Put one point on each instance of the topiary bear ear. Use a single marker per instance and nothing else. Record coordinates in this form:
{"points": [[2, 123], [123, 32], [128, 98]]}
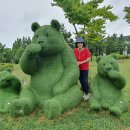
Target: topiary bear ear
{"points": [[98, 59], [55, 24], [35, 26]]}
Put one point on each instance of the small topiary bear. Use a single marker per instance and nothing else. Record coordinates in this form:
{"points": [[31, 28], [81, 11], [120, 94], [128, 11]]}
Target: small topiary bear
{"points": [[9, 89], [54, 74], [106, 87]]}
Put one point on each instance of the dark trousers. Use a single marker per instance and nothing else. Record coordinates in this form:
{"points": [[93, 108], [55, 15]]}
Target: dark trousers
{"points": [[84, 80]]}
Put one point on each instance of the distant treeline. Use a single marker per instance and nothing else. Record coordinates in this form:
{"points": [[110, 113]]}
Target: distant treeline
{"points": [[109, 45], [12, 55]]}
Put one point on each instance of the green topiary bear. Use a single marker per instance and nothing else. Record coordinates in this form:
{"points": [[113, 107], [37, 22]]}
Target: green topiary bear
{"points": [[9, 89], [54, 74], [106, 87]]}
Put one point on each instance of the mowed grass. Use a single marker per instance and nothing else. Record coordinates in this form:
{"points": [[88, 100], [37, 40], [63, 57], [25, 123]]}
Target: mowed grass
{"points": [[79, 118]]}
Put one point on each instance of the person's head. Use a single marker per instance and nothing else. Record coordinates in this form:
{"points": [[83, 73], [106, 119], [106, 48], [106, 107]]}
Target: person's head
{"points": [[80, 43]]}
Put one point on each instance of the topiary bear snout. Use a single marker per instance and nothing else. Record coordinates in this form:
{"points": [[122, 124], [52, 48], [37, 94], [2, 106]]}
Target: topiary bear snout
{"points": [[109, 68], [41, 40]]}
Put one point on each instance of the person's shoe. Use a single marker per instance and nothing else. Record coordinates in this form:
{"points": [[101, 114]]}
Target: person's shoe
{"points": [[86, 96]]}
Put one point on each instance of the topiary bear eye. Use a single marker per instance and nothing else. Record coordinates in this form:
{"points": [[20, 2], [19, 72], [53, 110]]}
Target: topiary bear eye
{"points": [[104, 64]]}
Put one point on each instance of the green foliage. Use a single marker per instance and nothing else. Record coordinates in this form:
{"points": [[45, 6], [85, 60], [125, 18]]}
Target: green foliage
{"points": [[97, 48], [128, 48], [114, 44], [6, 66], [118, 56], [5, 54], [66, 34], [127, 15], [121, 44], [18, 54], [2, 47], [18, 48], [90, 15], [111, 43]]}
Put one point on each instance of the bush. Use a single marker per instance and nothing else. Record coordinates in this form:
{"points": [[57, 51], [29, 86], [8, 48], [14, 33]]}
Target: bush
{"points": [[127, 57], [118, 56], [6, 66]]}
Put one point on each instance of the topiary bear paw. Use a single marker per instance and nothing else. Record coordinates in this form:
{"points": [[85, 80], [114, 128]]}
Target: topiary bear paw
{"points": [[95, 107], [115, 111], [52, 109], [19, 107]]}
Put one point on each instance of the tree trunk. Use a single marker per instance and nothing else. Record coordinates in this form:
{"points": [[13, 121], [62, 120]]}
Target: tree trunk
{"points": [[75, 29]]}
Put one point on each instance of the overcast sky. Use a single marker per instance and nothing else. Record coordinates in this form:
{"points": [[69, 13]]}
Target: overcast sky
{"points": [[16, 17]]}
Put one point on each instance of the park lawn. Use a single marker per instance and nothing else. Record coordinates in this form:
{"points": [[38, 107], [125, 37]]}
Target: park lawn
{"points": [[79, 118]]}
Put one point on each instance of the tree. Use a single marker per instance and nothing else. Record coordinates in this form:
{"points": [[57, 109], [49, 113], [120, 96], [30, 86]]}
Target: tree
{"points": [[18, 48], [115, 44], [111, 44], [89, 15], [2, 47], [5, 54], [127, 15], [128, 51], [67, 35], [121, 44], [127, 44]]}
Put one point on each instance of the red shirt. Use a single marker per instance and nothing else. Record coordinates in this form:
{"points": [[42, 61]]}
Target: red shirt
{"points": [[81, 56]]}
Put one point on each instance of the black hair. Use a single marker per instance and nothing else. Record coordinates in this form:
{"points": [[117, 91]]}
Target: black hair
{"points": [[77, 43]]}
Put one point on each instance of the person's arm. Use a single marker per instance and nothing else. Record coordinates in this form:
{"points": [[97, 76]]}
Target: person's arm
{"points": [[84, 61], [88, 58]]}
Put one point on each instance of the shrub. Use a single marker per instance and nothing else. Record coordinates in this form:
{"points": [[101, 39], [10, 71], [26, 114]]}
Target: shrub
{"points": [[118, 56], [6, 66], [127, 57]]}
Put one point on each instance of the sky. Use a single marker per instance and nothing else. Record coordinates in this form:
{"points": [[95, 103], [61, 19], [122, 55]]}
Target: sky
{"points": [[16, 17]]}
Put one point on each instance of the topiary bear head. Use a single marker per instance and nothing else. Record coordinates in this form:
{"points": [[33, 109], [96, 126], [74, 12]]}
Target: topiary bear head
{"points": [[105, 64], [49, 37], [9, 82]]}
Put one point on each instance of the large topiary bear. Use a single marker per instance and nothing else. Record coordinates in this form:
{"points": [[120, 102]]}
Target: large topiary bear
{"points": [[9, 89], [106, 87], [54, 74]]}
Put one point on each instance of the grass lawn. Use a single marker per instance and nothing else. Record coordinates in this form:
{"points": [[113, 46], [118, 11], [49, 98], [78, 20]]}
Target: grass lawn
{"points": [[79, 118]]}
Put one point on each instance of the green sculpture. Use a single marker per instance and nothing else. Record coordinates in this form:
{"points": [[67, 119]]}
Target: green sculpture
{"points": [[54, 74], [106, 87], [9, 89]]}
